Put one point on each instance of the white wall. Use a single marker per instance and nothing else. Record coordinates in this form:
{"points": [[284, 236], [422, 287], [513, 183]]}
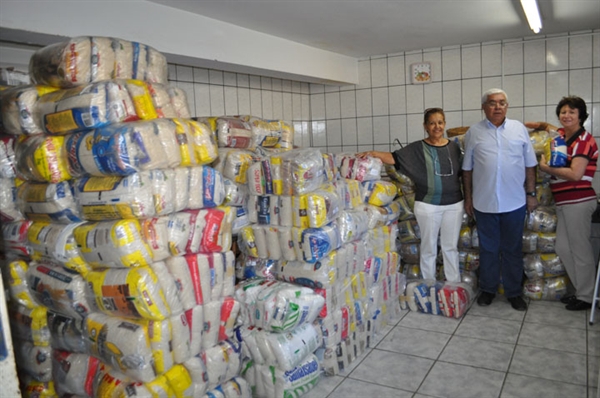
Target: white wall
{"points": [[184, 37]]}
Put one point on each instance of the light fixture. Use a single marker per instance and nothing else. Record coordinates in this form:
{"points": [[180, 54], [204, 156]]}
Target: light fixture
{"points": [[532, 13]]}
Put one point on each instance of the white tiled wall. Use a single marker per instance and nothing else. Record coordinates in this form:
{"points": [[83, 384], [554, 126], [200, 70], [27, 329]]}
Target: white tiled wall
{"points": [[385, 106], [215, 93], [535, 73]]}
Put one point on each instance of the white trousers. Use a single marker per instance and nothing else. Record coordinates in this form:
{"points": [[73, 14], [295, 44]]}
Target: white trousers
{"points": [[444, 221]]}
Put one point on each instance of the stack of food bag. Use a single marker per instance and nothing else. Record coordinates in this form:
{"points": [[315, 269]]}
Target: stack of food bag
{"points": [[126, 279], [546, 277], [278, 337], [313, 226]]}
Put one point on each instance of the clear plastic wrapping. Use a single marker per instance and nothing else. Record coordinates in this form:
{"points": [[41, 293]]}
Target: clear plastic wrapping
{"points": [[546, 242], [124, 148], [109, 198], [533, 267], [290, 349], [129, 293], [82, 60], [529, 241], [352, 224], [203, 143], [67, 333], [223, 362], [408, 231], [542, 219], [235, 194], [302, 171], [410, 252], [206, 186], [74, 373], [161, 100], [277, 306], [235, 164], [552, 265], [18, 107], [313, 244], [55, 243], [48, 202], [233, 132], [32, 388], [115, 244], [29, 324], [378, 193], [264, 133], [72, 110], [194, 277], [323, 274], [58, 289], [15, 279], [248, 267], [179, 102], [34, 360], [468, 260], [14, 242], [360, 169], [448, 299], [237, 387], [538, 140], [122, 344], [546, 289], [323, 207], [42, 158], [200, 231], [7, 157], [9, 211]]}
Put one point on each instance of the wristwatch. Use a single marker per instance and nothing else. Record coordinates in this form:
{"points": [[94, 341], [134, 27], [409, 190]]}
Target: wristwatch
{"points": [[531, 194]]}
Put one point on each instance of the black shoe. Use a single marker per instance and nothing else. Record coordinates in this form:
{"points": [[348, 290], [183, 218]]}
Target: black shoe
{"points": [[568, 299], [578, 305], [485, 298], [518, 303]]}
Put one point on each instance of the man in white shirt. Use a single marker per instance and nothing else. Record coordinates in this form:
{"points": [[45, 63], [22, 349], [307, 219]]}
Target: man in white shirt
{"points": [[499, 187]]}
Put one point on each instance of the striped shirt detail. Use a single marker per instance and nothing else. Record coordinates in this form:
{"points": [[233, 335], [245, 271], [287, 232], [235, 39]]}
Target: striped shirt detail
{"points": [[582, 144]]}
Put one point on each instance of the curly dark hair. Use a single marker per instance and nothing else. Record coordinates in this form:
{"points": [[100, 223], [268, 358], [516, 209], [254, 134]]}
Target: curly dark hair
{"points": [[574, 102]]}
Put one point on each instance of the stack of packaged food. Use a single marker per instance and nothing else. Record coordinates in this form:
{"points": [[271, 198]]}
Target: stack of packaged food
{"points": [[546, 277], [121, 275]]}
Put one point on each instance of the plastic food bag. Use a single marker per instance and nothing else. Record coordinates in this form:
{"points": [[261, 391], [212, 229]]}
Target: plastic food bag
{"points": [[278, 306], [302, 171], [48, 202], [42, 158], [115, 244], [18, 107], [55, 243], [58, 289], [130, 293], [122, 344]]}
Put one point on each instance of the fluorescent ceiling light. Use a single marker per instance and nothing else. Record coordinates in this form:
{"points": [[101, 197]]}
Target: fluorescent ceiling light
{"points": [[533, 14]]}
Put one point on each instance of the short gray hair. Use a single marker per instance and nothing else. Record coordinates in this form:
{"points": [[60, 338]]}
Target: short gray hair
{"points": [[493, 91]]}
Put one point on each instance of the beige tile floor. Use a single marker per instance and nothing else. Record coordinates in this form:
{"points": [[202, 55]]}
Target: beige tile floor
{"points": [[493, 351]]}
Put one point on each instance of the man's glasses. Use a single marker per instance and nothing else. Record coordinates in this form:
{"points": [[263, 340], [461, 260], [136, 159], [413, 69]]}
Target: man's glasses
{"points": [[493, 104]]}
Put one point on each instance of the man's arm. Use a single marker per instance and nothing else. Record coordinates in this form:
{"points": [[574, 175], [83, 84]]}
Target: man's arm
{"points": [[532, 201]]}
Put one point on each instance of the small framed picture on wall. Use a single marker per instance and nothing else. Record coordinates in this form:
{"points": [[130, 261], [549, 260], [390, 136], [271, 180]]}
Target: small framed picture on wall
{"points": [[420, 72]]}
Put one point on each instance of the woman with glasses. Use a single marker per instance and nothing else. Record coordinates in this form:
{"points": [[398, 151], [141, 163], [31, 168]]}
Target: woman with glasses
{"points": [[575, 200], [434, 166]]}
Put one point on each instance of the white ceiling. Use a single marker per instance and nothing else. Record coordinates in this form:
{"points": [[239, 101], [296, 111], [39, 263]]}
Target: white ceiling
{"points": [[361, 28]]}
